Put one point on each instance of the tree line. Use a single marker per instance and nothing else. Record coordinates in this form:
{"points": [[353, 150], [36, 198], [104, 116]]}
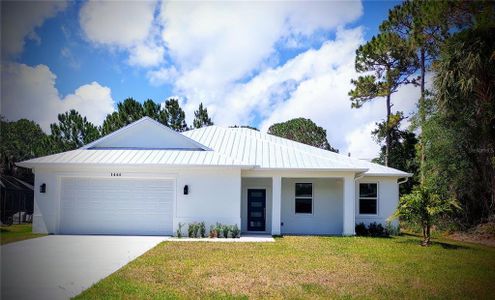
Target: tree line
{"points": [[24, 139], [454, 153]]}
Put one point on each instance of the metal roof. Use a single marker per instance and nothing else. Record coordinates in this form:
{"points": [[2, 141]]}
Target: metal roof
{"points": [[227, 147], [271, 152]]}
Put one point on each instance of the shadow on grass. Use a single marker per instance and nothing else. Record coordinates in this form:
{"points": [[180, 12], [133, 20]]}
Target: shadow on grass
{"points": [[416, 240]]}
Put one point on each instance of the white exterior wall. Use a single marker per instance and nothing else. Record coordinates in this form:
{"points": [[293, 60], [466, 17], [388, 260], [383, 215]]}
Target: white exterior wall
{"points": [[214, 194], [257, 183], [388, 199], [327, 216]]}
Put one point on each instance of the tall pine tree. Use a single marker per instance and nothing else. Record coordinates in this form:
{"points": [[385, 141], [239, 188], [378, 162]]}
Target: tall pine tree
{"points": [[388, 57], [201, 117]]}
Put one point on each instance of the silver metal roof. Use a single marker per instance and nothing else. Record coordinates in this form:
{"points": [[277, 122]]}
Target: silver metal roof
{"points": [[227, 147]]}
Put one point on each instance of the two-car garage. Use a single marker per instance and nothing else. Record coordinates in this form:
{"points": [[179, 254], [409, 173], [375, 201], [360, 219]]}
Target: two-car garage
{"points": [[103, 205]]}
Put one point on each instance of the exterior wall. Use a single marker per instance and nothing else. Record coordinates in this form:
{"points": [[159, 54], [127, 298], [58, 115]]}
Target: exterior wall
{"points": [[46, 205], [214, 194], [388, 199], [327, 216], [256, 183]]}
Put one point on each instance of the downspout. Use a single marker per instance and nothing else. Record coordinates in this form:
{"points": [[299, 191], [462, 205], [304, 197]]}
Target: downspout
{"points": [[403, 181]]}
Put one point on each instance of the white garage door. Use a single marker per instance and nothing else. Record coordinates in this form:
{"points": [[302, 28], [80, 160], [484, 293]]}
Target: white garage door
{"points": [[116, 206]]}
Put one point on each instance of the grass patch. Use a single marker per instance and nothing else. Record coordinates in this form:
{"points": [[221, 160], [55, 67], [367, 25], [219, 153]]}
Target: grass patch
{"points": [[305, 268], [14, 233]]}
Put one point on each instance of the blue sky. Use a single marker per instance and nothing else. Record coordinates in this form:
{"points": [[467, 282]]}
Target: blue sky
{"points": [[250, 63]]}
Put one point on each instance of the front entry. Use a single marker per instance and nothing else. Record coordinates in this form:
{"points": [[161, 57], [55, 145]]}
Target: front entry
{"points": [[256, 201]]}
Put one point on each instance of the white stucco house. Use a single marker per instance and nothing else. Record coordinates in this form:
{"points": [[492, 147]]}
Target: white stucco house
{"points": [[146, 178]]}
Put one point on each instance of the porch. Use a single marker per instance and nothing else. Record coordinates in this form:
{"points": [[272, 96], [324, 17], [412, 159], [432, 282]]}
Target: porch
{"points": [[302, 203]]}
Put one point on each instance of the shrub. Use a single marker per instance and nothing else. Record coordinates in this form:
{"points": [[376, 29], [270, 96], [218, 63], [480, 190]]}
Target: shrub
{"points": [[225, 229], [375, 229], [361, 229], [391, 229], [202, 229], [192, 230], [179, 230], [213, 232], [236, 232]]}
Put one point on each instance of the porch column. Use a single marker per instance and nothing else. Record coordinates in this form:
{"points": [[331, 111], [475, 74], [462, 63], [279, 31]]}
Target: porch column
{"points": [[349, 213], [276, 204]]}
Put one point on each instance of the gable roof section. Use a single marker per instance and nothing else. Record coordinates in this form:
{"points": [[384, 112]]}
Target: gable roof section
{"points": [[271, 152], [146, 133]]}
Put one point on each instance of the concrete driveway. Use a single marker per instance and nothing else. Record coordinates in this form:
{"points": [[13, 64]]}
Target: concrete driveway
{"points": [[60, 267]]}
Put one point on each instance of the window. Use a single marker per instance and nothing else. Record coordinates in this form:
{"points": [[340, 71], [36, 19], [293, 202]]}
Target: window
{"points": [[368, 196], [304, 198]]}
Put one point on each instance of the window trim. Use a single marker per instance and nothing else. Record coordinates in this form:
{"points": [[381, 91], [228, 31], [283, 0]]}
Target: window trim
{"points": [[369, 198], [304, 197]]}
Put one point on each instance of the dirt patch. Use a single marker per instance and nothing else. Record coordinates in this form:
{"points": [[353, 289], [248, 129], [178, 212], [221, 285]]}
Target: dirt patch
{"points": [[482, 234]]}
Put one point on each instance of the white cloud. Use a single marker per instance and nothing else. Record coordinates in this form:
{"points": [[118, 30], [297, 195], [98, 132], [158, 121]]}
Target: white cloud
{"points": [[162, 75], [29, 92], [19, 19], [360, 142], [146, 55], [213, 44], [126, 26]]}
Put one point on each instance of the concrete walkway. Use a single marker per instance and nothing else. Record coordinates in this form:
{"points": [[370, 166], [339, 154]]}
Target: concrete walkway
{"points": [[243, 239], [61, 267]]}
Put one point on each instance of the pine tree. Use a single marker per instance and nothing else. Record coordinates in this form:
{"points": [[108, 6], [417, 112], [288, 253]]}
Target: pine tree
{"points": [[389, 58], [175, 115], [201, 117]]}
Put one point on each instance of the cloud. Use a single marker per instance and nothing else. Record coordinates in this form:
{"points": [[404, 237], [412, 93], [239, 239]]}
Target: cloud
{"points": [[213, 44], [19, 19], [360, 143], [127, 26], [29, 92]]}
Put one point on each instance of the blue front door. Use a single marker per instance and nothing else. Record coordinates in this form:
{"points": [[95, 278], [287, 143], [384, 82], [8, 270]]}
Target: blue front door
{"points": [[256, 209]]}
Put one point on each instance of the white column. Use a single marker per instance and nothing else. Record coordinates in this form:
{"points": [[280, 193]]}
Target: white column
{"points": [[276, 204], [349, 213]]}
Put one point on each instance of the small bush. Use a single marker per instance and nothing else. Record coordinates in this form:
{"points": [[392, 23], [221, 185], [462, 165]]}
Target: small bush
{"points": [[392, 230], [373, 229], [236, 232], [213, 231], [179, 230], [225, 231], [192, 230], [361, 229], [202, 229]]}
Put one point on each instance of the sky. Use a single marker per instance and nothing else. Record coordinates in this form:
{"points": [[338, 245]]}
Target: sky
{"points": [[249, 63]]}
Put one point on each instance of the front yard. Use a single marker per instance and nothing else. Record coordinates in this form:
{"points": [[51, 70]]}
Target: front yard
{"points": [[306, 267], [14, 233]]}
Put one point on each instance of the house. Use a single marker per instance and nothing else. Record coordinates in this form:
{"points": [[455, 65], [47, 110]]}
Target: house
{"points": [[145, 179]]}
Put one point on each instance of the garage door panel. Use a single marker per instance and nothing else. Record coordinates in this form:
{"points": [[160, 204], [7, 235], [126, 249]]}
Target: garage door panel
{"points": [[116, 206]]}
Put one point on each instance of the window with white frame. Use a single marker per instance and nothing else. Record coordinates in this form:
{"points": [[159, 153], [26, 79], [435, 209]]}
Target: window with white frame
{"points": [[304, 198], [368, 198]]}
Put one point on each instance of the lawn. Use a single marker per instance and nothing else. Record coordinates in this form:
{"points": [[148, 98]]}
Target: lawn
{"points": [[306, 267], [14, 233]]}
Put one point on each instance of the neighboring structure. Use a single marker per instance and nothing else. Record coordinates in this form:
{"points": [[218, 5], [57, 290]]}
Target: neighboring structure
{"points": [[146, 178], [16, 200]]}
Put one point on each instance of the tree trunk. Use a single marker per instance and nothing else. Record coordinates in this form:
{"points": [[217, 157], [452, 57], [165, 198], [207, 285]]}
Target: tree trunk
{"points": [[422, 115], [387, 128], [426, 235]]}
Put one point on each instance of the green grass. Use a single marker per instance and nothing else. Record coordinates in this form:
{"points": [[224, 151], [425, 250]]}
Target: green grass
{"points": [[14, 233], [305, 268]]}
